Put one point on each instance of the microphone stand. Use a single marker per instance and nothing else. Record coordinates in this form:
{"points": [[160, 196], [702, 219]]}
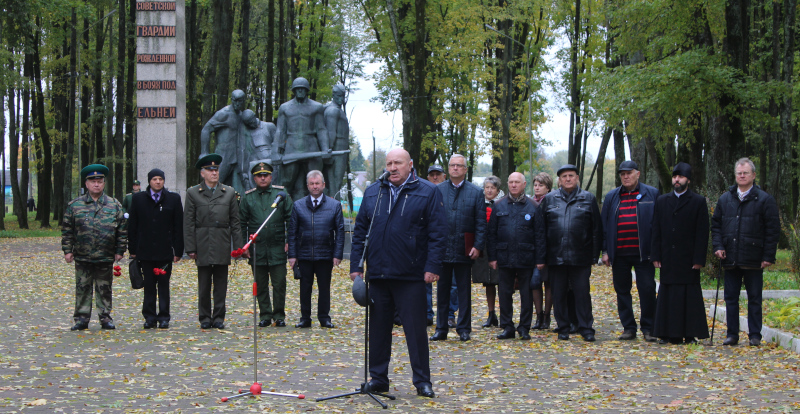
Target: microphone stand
{"points": [[363, 389], [255, 389]]}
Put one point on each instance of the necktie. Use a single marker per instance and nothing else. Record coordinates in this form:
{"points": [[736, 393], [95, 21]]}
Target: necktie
{"points": [[155, 197], [315, 204]]}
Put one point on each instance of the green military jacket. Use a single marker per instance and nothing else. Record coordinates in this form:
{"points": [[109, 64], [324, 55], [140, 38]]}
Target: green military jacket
{"points": [[127, 200], [255, 207], [93, 231], [211, 224]]}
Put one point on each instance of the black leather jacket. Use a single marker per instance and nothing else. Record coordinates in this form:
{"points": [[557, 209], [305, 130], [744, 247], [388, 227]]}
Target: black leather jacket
{"points": [[516, 234], [466, 213], [747, 230], [316, 234], [573, 226]]}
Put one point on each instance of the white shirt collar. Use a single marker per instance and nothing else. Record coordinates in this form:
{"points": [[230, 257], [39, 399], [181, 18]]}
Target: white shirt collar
{"points": [[677, 194], [318, 200]]}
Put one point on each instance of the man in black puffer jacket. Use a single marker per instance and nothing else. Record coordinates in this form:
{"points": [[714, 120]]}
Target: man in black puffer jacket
{"points": [[745, 228], [466, 218], [574, 239], [316, 244], [516, 246]]}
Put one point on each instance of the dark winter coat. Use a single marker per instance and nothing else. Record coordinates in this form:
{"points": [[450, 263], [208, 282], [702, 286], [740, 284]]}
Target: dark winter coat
{"points": [[747, 230], [680, 236], [644, 220], [155, 230], [466, 213], [316, 234], [573, 227], [516, 237], [408, 238]]}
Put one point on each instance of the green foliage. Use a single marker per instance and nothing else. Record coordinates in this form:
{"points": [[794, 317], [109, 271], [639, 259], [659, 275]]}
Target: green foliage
{"points": [[786, 314], [794, 246]]}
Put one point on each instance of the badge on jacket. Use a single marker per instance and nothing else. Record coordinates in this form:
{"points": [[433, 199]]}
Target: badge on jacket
{"points": [[639, 197], [527, 217]]}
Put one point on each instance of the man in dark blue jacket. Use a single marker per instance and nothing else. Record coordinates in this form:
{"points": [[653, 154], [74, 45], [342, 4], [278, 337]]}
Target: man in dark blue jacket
{"points": [[405, 251], [316, 244], [745, 228], [627, 220], [574, 239], [466, 218], [516, 246], [155, 234]]}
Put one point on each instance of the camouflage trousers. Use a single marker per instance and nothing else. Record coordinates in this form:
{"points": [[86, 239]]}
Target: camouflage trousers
{"points": [[93, 278]]}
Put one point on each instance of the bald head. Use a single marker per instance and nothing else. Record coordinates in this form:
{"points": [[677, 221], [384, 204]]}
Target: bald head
{"points": [[399, 164], [516, 184]]}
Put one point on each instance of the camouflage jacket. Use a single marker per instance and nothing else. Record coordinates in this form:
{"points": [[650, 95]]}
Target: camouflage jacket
{"points": [[93, 231]]}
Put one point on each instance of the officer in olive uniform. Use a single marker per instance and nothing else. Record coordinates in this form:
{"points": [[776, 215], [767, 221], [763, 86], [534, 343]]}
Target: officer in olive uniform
{"points": [[126, 201], [211, 231], [270, 245], [94, 236]]}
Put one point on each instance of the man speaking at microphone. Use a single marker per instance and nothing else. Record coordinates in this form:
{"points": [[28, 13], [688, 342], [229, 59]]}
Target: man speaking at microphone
{"points": [[270, 244], [405, 251]]}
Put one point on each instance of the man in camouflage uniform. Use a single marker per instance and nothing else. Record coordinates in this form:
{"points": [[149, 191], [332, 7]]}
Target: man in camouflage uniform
{"points": [[93, 235], [126, 201], [210, 227], [270, 245]]}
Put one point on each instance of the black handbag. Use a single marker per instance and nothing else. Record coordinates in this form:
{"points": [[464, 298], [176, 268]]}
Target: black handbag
{"points": [[135, 272]]}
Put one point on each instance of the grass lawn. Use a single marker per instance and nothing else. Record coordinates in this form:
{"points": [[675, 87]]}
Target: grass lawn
{"points": [[34, 228], [778, 277], [783, 314]]}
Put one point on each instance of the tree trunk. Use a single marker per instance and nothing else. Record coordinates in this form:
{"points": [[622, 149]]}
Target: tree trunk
{"points": [[210, 75], [13, 138], [281, 88], [244, 36], [130, 118], [116, 187], [70, 144], [788, 145], [86, 97], [225, 33], [574, 148], [270, 63], [44, 147], [619, 152]]}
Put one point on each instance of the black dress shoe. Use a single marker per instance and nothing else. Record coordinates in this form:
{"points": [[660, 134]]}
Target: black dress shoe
{"points": [[545, 322], [303, 324], [563, 337], [439, 336], [265, 323], [690, 341], [326, 324], [205, 325], [373, 386], [425, 390], [163, 324], [219, 325], [573, 329], [648, 337], [628, 335], [539, 321], [397, 321], [79, 326], [463, 336], [107, 325], [280, 323], [491, 320], [507, 334], [730, 341], [524, 336], [149, 324], [755, 341], [589, 337]]}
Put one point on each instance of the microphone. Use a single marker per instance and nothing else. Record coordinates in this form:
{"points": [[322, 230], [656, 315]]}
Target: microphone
{"points": [[278, 199], [384, 176]]}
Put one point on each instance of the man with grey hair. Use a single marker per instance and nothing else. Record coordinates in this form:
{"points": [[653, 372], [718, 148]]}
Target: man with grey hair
{"points": [[466, 219], [316, 245], [745, 229]]}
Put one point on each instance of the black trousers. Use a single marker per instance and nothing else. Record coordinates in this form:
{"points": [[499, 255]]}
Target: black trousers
{"points": [[408, 298], [645, 284], [156, 291], [206, 275], [562, 278], [463, 275], [753, 283], [321, 268], [506, 296]]}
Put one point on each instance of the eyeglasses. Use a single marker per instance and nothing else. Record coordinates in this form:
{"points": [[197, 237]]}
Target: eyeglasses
{"points": [[458, 166]]}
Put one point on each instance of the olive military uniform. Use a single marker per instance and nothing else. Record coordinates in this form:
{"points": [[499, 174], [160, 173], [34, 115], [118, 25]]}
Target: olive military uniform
{"points": [[269, 247], [210, 226], [93, 232]]}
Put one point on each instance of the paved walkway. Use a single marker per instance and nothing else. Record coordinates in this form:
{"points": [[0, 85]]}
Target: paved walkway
{"points": [[46, 368]]}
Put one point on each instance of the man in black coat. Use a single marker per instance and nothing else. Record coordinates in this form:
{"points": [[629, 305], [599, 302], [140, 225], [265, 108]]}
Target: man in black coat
{"points": [[745, 230], [466, 218], [516, 246], [680, 242], [316, 244], [574, 238], [155, 239]]}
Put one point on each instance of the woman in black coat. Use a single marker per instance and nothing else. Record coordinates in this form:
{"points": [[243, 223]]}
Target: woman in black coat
{"points": [[680, 242]]}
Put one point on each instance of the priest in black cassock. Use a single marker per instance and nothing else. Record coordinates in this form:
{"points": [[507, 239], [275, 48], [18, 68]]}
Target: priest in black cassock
{"points": [[680, 241]]}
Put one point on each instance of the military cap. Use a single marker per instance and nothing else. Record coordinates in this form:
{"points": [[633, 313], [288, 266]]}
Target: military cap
{"points": [[435, 167], [136, 182], [261, 168], [566, 167], [93, 171], [211, 161]]}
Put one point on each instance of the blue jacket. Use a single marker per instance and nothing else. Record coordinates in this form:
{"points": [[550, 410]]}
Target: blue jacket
{"points": [[316, 234], [466, 213], [644, 218], [407, 239]]}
